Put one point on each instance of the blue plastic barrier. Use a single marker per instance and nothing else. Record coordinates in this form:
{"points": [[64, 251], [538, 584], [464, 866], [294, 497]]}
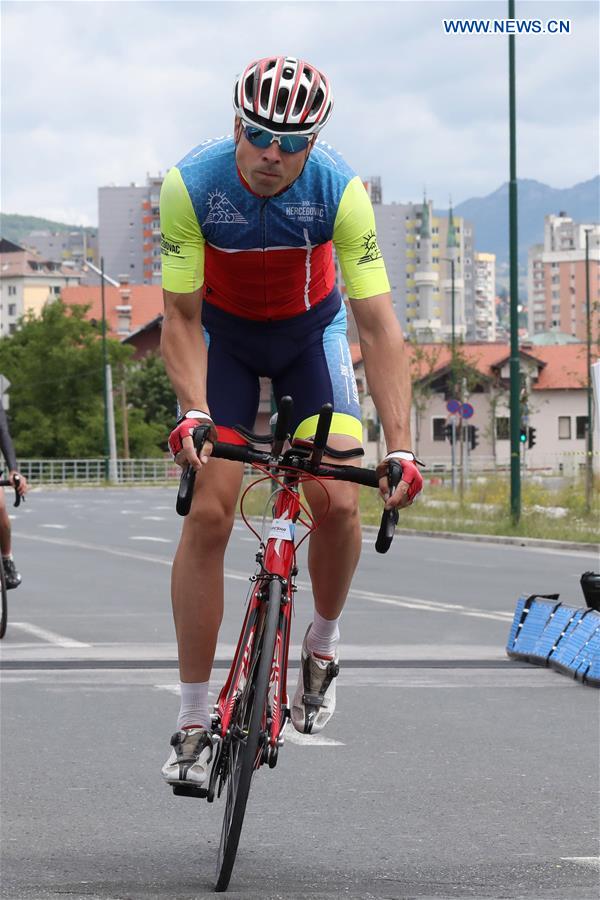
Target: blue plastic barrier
{"points": [[545, 632]]}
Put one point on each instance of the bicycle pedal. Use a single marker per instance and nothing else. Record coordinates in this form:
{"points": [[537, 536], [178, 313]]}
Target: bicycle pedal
{"points": [[189, 790]]}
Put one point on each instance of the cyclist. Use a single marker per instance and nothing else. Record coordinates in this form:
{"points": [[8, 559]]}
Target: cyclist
{"points": [[250, 290], [12, 576]]}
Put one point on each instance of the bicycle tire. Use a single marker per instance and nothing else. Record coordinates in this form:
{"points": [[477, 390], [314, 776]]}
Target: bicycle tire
{"points": [[243, 755], [3, 591]]}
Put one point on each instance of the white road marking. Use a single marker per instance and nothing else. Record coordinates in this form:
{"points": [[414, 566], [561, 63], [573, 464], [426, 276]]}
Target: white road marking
{"points": [[162, 507], [591, 861], [175, 689], [53, 526], [394, 600], [310, 740], [149, 537], [50, 637], [154, 518]]}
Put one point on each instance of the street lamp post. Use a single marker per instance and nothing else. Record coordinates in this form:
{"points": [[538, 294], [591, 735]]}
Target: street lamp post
{"points": [[110, 453], [451, 260], [515, 374]]}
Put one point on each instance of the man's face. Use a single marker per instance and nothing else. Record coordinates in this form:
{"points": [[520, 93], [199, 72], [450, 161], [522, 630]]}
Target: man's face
{"points": [[268, 171]]}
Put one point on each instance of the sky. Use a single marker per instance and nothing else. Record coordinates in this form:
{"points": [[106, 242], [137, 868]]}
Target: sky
{"points": [[98, 93]]}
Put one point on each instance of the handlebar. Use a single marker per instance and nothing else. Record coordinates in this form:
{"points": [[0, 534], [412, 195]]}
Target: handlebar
{"points": [[4, 482], [299, 459]]}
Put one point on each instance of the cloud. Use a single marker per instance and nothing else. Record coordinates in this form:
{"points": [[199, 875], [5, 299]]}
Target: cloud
{"points": [[103, 92]]}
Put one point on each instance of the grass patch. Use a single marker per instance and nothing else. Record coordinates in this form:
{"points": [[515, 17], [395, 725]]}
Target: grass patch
{"points": [[470, 518]]}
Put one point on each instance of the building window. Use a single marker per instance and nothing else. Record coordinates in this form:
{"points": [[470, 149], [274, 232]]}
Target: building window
{"points": [[12, 309], [439, 426], [502, 428], [581, 427], [11, 290], [12, 328], [564, 428]]}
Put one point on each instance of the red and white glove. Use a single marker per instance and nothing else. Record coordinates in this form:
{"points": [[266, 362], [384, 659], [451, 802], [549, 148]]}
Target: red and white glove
{"points": [[410, 473], [186, 426]]}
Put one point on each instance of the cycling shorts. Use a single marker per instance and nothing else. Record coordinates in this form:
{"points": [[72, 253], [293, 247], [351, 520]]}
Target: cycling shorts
{"points": [[306, 356]]}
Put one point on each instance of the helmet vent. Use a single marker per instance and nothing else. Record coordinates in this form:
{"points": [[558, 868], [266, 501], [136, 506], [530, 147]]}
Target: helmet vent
{"points": [[300, 99], [288, 73], [264, 94], [282, 100], [319, 97], [249, 89], [270, 65]]}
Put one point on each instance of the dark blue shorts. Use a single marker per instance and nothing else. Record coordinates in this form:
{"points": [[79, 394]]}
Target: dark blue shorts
{"points": [[306, 356]]}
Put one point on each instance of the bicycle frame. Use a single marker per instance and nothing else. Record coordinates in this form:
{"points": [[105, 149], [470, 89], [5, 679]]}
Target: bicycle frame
{"points": [[277, 561]]}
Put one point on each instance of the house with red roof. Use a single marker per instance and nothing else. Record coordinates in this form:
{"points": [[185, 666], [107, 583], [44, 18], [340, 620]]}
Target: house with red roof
{"points": [[129, 307], [553, 396]]}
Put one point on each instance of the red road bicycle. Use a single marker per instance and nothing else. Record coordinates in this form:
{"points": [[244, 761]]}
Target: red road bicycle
{"points": [[252, 709]]}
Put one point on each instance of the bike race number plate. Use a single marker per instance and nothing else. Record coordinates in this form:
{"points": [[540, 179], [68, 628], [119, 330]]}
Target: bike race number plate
{"points": [[282, 529]]}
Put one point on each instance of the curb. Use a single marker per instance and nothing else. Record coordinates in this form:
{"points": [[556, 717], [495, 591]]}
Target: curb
{"points": [[494, 539]]}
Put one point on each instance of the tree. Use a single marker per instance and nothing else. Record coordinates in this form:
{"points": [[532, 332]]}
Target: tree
{"points": [[423, 362], [57, 402]]}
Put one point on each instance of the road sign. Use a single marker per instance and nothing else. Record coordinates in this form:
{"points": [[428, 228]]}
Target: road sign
{"points": [[453, 406], [466, 410]]}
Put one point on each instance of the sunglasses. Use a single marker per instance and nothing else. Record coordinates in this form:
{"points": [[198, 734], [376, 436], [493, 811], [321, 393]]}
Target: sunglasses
{"points": [[288, 143]]}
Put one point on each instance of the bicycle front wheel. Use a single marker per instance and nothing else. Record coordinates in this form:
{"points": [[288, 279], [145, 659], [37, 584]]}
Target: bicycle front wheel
{"points": [[243, 753], [4, 613]]}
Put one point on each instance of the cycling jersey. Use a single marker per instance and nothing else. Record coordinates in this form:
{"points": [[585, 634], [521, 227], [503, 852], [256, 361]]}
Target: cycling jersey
{"points": [[267, 258]]}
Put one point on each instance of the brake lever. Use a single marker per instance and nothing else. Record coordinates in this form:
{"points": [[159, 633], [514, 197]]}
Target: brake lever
{"points": [[187, 481], [18, 498], [389, 518]]}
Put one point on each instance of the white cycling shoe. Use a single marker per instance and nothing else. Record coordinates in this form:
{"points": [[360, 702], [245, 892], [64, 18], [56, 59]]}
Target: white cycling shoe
{"points": [[314, 701], [189, 762]]}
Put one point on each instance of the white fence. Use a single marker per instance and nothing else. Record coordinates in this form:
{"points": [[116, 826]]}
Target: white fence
{"points": [[92, 471]]}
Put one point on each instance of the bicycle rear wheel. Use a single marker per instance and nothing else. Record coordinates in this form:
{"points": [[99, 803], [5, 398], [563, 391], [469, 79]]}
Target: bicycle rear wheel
{"points": [[243, 754], [4, 613]]}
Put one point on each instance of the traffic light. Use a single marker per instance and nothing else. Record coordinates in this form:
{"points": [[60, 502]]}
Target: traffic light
{"points": [[523, 434], [449, 433], [473, 436], [530, 438]]}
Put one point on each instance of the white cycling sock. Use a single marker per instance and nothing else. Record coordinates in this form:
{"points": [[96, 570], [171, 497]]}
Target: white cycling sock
{"points": [[194, 704], [323, 635]]}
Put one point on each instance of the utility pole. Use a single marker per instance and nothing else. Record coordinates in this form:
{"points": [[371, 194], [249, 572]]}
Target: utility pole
{"points": [[515, 378], [589, 471], [125, 413], [104, 370]]}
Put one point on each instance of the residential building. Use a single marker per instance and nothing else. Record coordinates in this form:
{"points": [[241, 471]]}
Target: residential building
{"points": [[484, 318], [129, 231], [417, 245], [28, 282], [76, 247], [554, 404], [556, 278], [128, 307]]}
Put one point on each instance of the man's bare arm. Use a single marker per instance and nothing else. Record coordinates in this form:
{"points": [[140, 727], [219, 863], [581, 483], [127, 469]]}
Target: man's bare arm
{"points": [[386, 366], [183, 349]]}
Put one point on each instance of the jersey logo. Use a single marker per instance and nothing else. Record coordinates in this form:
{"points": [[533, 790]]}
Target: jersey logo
{"points": [[372, 251], [306, 211], [221, 211]]}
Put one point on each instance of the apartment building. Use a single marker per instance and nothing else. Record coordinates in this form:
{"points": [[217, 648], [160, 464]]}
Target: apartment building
{"points": [[77, 247], [28, 282], [485, 297], [129, 230], [417, 245], [556, 278]]}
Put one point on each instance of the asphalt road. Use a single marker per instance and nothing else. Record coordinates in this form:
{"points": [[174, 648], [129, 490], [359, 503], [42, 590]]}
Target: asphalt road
{"points": [[447, 771]]}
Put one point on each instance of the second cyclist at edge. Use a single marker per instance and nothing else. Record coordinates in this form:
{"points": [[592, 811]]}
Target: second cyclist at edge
{"points": [[248, 223]]}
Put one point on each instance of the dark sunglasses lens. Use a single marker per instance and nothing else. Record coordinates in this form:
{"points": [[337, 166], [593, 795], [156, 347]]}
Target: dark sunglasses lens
{"points": [[293, 143], [258, 136]]}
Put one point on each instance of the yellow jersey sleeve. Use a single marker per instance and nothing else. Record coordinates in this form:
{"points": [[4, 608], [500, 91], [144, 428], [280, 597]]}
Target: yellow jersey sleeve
{"points": [[181, 239], [355, 240]]}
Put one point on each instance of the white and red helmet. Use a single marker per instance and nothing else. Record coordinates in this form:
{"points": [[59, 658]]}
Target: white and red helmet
{"points": [[283, 94]]}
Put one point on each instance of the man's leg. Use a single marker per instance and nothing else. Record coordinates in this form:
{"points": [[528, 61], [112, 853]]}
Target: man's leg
{"points": [[338, 538], [197, 597]]}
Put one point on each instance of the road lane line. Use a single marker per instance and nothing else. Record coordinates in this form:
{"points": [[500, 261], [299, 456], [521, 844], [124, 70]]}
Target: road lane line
{"points": [[591, 861], [393, 600], [309, 740], [50, 637], [154, 518], [52, 526], [149, 537]]}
